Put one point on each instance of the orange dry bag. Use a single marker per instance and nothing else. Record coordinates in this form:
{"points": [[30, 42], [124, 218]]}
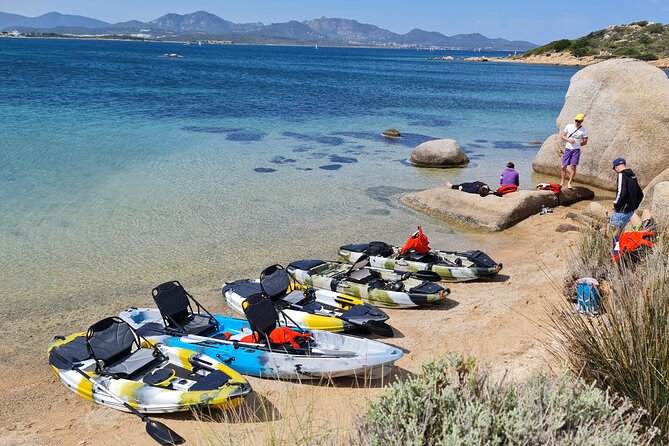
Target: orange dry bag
{"points": [[503, 190], [418, 242]]}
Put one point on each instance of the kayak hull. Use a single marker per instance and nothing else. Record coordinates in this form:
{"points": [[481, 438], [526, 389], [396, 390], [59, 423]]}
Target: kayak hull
{"points": [[172, 395], [450, 266], [327, 310], [347, 356]]}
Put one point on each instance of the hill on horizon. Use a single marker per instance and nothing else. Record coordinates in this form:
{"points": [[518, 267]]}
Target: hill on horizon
{"points": [[202, 24], [640, 40]]}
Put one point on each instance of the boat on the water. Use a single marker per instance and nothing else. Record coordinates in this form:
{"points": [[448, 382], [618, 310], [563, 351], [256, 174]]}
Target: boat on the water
{"points": [[121, 367], [257, 346]]}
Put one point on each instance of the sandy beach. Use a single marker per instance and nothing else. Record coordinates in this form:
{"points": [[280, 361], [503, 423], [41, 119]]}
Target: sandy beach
{"points": [[502, 323]]}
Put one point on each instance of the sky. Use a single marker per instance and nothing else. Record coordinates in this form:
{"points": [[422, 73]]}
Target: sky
{"points": [[537, 21]]}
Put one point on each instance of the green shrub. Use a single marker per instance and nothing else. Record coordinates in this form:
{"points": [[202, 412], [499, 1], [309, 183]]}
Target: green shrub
{"points": [[453, 403], [648, 56], [626, 348], [655, 28]]}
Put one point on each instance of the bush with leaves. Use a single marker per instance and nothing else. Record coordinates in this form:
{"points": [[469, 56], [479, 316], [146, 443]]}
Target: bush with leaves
{"points": [[454, 403]]}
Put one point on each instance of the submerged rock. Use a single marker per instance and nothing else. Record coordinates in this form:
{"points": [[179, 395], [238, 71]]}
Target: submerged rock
{"points": [[626, 107], [489, 213], [392, 133], [439, 153]]}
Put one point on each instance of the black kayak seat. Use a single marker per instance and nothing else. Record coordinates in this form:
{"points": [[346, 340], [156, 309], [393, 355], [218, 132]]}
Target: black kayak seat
{"points": [[306, 264], [360, 247], [212, 381], [427, 288], [116, 348], [261, 314], [480, 259], [275, 281], [174, 304]]}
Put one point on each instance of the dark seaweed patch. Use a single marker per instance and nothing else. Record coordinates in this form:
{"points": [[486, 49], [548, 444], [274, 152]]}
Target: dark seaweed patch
{"points": [[475, 146], [427, 120], [407, 139], [245, 135], [330, 167], [304, 168], [302, 149], [264, 170], [326, 140], [383, 194], [342, 159], [282, 160], [404, 162], [201, 129], [378, 212], [481, 140], [512, 145]]}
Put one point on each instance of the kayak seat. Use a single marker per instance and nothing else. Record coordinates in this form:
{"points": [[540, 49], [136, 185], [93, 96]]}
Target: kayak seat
{"points": [[361, 247], [117, 350], [175, 307], [363, 275], [305, 265], [312, 307], [275, 282], [415, 256], [263, 318], [243, 288]]}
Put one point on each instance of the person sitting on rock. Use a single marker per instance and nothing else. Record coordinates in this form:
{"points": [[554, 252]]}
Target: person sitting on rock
{"points": [[509, 176], [475, 187], [628, 198]]}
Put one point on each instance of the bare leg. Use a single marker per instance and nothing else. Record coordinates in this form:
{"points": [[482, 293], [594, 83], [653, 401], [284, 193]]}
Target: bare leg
{"points": [[636, 221], [563, 172], [449, 185], [646, 215], [572, 174]]}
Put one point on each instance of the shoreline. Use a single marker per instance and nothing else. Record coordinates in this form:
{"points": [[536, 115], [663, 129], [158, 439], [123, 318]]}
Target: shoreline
{"points": [[567, 61], [501, 322]]}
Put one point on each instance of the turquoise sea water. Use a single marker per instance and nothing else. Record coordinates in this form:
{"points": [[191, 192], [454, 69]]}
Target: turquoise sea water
{"points": [[120, 169]]}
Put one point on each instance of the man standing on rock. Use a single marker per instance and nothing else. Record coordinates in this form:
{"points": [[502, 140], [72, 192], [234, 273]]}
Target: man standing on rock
{"points": [[575, 136]]}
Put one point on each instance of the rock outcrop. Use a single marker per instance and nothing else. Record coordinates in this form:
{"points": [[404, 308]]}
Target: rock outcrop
{"points": [[626, 107], [392, 133], [489, 213], [439, 153], [660, 206]]}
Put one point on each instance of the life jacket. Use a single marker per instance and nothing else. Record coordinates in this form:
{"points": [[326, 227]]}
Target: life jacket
{"points": [[418, 242], [503, 190], [280, 335], [553, 187], [631, 243]]}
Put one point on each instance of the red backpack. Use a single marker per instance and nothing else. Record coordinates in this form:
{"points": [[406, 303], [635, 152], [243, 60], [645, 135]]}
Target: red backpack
{"points": [[418, 242], [503, 190], [555, 188], [632, 244]]}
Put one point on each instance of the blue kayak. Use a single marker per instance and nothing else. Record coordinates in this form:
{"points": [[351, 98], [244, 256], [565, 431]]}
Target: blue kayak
{"points": [[328, 355]]}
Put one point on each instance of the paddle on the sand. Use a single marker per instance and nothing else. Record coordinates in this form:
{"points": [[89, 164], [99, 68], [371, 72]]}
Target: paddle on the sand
{"points": [[156, 430]]}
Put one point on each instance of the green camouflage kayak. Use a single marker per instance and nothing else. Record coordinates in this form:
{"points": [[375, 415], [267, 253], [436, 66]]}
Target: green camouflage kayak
{"points": [[450, 266], [379, 287]]}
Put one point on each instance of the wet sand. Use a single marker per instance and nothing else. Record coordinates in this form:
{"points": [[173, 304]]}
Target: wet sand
{"points": [[501, 322]]}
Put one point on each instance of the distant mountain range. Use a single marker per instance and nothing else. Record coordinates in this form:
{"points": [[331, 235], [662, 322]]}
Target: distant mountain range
{"points": [[203, 25]]}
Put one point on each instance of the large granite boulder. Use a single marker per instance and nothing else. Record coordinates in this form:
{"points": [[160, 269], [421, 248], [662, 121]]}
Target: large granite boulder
{"points": [[439, 153], [660, 206], [489, 213], [626, 107]]}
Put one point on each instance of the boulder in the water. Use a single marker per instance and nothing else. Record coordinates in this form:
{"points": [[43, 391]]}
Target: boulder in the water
{"points": [[392, 133], [439, 153]]}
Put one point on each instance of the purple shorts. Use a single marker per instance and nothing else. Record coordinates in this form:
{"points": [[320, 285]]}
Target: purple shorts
{"points": [[570, 157]]}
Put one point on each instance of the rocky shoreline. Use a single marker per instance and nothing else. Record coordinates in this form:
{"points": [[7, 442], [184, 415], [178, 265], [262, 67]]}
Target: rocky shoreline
{"points": [[563, 59]]}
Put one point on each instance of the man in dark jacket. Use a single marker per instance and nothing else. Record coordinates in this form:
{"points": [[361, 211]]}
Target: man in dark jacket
{"points": [[628, 195]]}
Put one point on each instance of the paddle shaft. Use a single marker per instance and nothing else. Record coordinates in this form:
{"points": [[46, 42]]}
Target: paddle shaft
{"points": [[321, 351]]}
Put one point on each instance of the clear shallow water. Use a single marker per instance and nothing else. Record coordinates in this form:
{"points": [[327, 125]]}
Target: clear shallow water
{"points": [[120, 169]]}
